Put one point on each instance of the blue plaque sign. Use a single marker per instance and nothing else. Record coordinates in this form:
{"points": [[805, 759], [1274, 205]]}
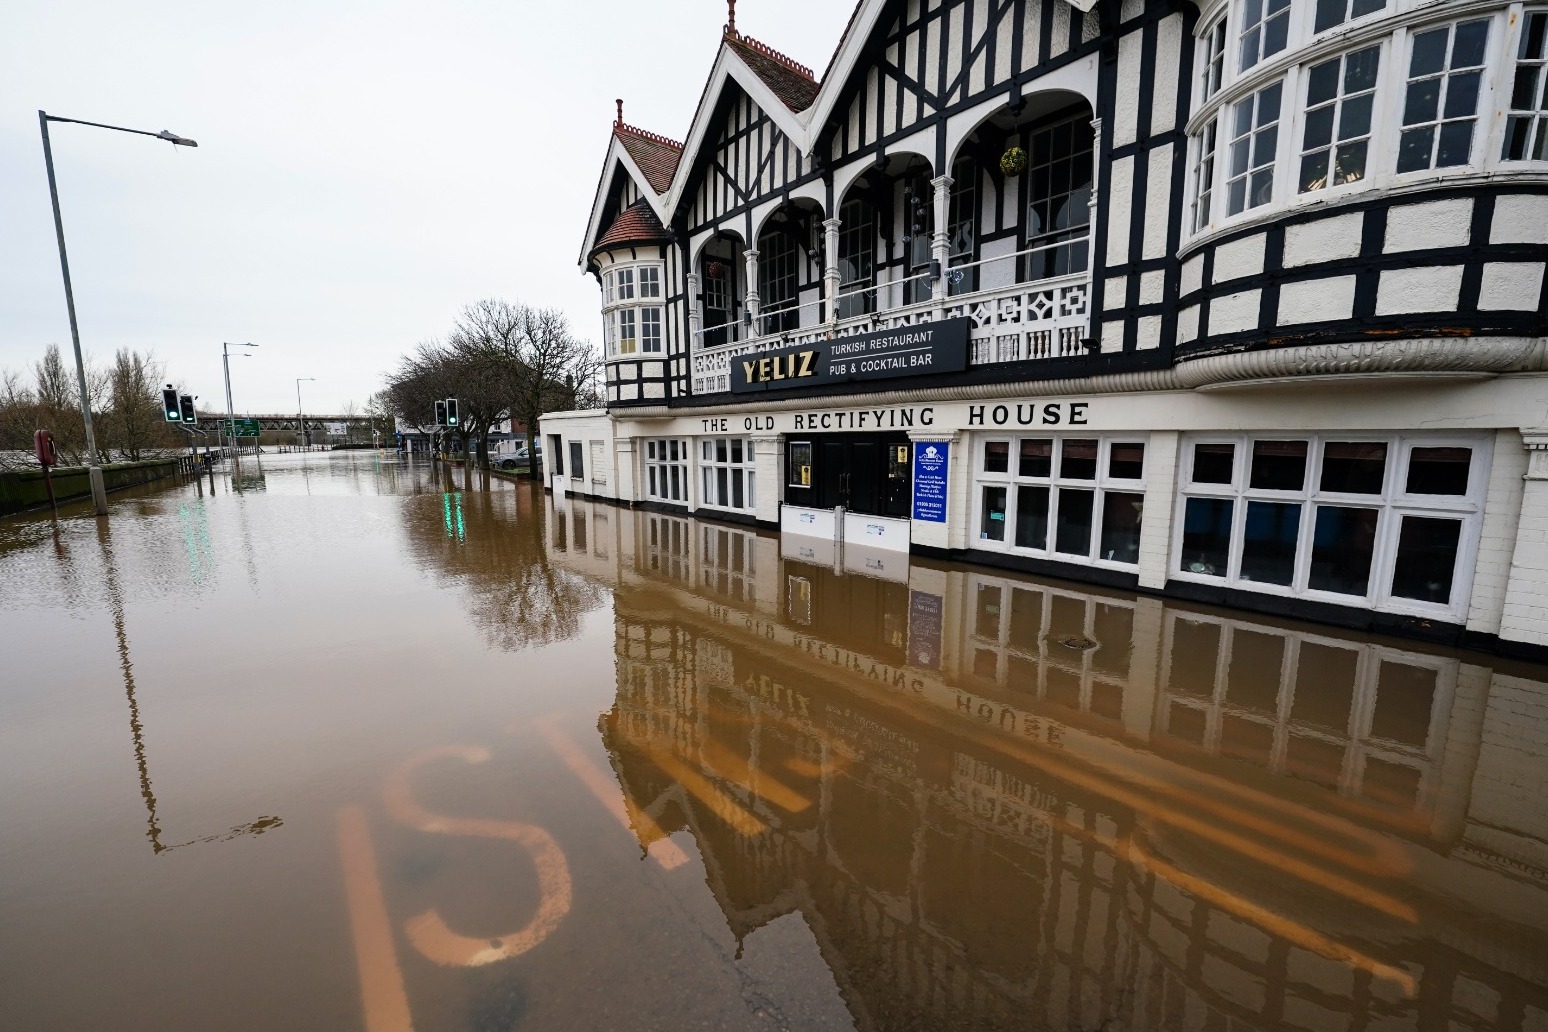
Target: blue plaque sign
{"points": [[930, 463], [925, 623]]}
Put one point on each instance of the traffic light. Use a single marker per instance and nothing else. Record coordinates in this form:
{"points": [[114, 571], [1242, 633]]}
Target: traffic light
{"points": [[440, 413], [451, 411], [186, 407], [169, 405]]}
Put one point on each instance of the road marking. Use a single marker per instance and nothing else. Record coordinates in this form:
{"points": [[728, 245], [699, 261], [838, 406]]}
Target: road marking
{"points": [[427, 932], [701, 788], [613, 798], [382, 995], [1146, 802], [1282, 926], [735, 767]]}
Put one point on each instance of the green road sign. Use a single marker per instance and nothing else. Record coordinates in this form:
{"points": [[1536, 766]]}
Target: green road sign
{"points": [[243, 428]]}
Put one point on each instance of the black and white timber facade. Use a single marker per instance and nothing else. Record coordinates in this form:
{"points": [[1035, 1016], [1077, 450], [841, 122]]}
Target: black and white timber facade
{"points": [[1241, 302]]}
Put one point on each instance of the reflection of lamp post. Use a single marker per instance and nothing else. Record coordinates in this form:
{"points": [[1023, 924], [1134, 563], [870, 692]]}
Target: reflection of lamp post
{"points": [[94, 461], [225, 357], [300, 419]]}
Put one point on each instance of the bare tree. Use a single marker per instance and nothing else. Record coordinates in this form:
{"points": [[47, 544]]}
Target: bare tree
{"points": [[58, 404], [18, 420], [133, 417], [501, 361], [537, 363]]}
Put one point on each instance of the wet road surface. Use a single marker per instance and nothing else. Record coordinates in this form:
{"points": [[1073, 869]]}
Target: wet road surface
{"points": [[369, 745]]}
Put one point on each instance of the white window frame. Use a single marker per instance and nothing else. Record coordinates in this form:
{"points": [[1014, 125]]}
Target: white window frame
{"points": [[651, 323], [659, 457], [1391, 505], [1355, 737], [1479, 149], [711, 466], [1260, 57], [1392, 27], [1043, 653], [1373, 135], [1539, 116], [1100, 487], [627, 309]]}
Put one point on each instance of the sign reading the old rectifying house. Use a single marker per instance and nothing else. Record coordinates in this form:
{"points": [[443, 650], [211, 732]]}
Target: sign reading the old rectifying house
{"points": [[936, 347], [930, 462]]}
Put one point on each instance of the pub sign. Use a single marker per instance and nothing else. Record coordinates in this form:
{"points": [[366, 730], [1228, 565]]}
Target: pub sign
{"points": [[934, 347]]}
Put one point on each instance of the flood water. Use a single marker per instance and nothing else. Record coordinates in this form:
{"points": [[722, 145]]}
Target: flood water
{"points": [[373, 746]]}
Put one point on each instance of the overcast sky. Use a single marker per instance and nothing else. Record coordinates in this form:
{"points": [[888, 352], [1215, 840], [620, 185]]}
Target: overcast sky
{"points": [[363, 169]]}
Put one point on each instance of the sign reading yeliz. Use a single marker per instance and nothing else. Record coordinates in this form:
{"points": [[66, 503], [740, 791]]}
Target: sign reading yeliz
{"points": [[937, 347]]}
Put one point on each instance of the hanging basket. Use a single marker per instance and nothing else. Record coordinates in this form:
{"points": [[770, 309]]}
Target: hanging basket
{"points": [[715, 270], [1014, 161]]}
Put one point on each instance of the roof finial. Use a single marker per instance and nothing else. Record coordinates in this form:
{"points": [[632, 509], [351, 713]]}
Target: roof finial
{"points": [[731, 20], [619, 102]]}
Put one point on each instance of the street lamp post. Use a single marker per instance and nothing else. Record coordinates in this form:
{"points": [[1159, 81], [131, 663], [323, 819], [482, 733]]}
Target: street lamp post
{"points": [[94, 467], [306, 438], [225, 356]]}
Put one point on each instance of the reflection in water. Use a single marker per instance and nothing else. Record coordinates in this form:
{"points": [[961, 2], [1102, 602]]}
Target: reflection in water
{"points": [[1006, 804], [115, 600], [492, 543]]}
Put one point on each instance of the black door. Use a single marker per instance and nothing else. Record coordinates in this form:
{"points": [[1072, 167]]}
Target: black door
{"points": [[867, 474], [864, 485]]}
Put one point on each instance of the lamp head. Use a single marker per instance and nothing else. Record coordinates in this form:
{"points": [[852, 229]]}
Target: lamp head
{"points": [[176, 140]]}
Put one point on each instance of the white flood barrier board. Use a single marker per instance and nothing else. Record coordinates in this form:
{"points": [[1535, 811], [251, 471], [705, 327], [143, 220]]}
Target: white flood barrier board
{"points": [[875, 533], [810, 523]]}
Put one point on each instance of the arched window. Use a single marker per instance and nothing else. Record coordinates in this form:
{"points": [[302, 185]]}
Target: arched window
{"points": [[1059, 197], [857, 258]]}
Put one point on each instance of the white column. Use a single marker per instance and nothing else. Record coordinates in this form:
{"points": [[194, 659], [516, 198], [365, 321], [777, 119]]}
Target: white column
{"points": [[751, 299], [830, 269], [1161, 456], [695, 313], [1096, 147], [1525, 618], [769, 465], [940, 243]]}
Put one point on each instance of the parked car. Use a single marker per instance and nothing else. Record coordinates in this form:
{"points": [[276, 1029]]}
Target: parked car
{"points": [[519, 459]]}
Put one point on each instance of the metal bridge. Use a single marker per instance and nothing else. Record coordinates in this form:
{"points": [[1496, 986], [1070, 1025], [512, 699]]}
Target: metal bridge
{"points": [[318, 423]]}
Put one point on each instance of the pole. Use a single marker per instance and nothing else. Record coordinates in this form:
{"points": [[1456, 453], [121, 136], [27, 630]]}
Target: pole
{"points": [[300, 419], [94, 466], [225, 357]]}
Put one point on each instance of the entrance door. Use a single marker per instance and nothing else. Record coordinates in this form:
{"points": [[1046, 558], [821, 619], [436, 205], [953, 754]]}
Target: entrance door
{"points": [[868, 474]]}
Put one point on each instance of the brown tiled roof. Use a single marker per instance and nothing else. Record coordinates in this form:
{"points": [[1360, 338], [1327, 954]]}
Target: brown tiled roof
{"points": [[656, 155], [636, 224], [791, 82]]}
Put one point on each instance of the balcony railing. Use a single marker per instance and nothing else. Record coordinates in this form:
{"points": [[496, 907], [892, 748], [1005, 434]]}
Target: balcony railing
{"points": [[1015, 322]]}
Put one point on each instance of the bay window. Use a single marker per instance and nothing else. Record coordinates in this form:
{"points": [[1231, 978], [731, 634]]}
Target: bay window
{"points": [[1075, 499], [1397, 97], [632, 311]]}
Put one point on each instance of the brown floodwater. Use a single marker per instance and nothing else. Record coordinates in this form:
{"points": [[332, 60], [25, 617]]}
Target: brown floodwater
{"points": [[357, 744]]}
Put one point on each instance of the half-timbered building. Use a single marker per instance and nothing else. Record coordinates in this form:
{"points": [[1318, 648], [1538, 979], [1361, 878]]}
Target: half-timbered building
{"points": [[1241, 301]]}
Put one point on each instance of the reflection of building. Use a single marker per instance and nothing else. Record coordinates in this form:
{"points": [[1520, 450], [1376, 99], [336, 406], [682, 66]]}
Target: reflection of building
{"points": [[1007, 804], [1225, 300]]}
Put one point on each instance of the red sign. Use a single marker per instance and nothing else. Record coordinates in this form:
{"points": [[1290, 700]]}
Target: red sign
{"points": [[43, 448]]}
